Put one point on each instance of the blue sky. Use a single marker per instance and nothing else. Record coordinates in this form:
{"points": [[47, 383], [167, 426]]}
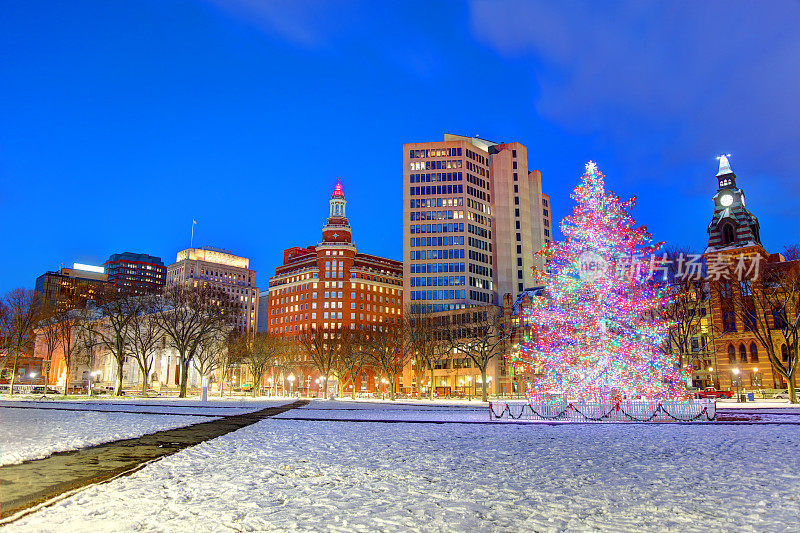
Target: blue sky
{"points": [[120, 121]]}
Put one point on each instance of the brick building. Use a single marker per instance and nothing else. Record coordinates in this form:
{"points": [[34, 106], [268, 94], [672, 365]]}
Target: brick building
{"points": [[734, 239], [332, 286]]}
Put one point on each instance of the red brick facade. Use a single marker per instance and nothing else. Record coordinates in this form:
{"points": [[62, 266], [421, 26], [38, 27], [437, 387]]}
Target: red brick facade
{"points": [[331, 286]]}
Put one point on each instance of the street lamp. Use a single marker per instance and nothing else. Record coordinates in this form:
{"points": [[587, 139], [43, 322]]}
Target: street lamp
{"points": [[290, 377], [736, 373], [469, 388], [269, 382], [383, 387], [91, 375]]}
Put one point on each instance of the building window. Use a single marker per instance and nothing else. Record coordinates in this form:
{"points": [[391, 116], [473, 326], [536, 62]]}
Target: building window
{"points": [[727, 234], [731, 354], [753, 353], [742, 354], [513, 153]]}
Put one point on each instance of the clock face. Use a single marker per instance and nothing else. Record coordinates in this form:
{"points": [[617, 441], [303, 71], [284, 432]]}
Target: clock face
{"points": [[726, 200]]}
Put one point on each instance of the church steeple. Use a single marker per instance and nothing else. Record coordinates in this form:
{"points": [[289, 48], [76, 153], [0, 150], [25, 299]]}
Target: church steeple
{"points": [[732, 225], [725, 176]]}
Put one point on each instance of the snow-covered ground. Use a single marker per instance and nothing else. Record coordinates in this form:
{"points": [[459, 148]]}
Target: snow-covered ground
{"points": [[29, 432], [344, 476]]}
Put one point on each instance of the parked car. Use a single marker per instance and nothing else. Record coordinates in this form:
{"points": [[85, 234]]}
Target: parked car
{"points": [[782, 395], [711, 392], [41, 390]]}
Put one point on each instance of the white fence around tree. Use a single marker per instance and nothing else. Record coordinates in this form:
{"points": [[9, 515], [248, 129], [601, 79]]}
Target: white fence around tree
{"points": [[554, 409]]}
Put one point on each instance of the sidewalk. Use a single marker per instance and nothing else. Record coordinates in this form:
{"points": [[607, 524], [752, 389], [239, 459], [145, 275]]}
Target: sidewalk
{"points": [[25, 485]]}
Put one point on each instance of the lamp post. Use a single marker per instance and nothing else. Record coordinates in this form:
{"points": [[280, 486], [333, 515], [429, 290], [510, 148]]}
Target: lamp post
{"points": [[738, 383], [290, 377], [755, 374], [91, 375], [469, 388], [383, 387]]}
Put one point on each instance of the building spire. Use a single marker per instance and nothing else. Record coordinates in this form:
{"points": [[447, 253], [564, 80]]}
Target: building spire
{"points": [[724, 165]]}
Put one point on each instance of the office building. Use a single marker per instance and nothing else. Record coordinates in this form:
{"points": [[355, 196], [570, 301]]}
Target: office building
{"points": [[72, 286], [473, 218], [136, 274], [221, 270]]}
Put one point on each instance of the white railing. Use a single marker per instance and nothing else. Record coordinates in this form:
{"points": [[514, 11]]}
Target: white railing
{"points": [[562, 410]]}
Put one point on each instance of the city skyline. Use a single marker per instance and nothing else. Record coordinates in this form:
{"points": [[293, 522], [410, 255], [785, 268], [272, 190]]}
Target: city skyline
{"points": [[137, 137]]}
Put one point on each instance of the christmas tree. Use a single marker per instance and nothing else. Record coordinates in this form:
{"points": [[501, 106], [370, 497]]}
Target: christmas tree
{"points": [[595, 331]]}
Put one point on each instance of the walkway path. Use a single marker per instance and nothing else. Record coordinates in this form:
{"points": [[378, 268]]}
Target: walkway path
{"points": [[25, 485]]}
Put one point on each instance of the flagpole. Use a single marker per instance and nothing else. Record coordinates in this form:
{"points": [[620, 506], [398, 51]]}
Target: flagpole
{"points": [[191, 241]]}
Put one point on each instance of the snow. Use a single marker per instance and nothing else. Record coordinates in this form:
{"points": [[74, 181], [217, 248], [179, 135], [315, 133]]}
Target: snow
{"points": [[344, 476], [32, 433]]}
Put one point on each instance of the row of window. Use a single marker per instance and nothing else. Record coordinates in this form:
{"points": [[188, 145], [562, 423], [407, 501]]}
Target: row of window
{"points": [[436, 215], [479, 206], [437, 241], [435, 152], [478, 170], [432, 268], [422, 203], [433, 177], [427, 190], [429, 255], [435, 165], [438, 281], [480, 257], [438, 295], [455, 227], [480, 270], [480, 244], [743, 353]]}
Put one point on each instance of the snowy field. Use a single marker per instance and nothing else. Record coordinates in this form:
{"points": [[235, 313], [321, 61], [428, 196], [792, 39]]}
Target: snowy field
{"points": [[35, 429], [345, 476]]}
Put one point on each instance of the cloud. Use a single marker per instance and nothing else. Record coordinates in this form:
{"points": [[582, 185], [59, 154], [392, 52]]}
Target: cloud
{"points": [[306, 23], [698, 78]]}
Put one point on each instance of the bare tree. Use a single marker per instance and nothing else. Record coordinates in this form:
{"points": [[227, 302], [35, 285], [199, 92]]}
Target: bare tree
{"points": [[791, 252], [188, 316], [689, 299], [111, 327], [231, 356], [351, 358], [47, 329], [487, 339], [263, 350], [388, 348], [322, 348], [768, 307], [428, 342], [68, 322], [19, 319], [209, 355], [144, 336]]}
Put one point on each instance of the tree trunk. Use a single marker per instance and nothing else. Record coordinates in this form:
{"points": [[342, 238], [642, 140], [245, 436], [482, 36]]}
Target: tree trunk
{"points": [[256, 384], [431, 388], [483, 385], [66, 377], [392, 385], [144, 381], [13, 377], [184, 365], [118, 380], [325, 385], [46, 372]]}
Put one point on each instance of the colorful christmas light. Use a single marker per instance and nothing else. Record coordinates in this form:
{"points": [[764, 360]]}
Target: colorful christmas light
{"points": [[596, 333]]}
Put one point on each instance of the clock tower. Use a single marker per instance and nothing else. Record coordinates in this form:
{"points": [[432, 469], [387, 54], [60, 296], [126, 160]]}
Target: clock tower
{"points": [[732, 225]]}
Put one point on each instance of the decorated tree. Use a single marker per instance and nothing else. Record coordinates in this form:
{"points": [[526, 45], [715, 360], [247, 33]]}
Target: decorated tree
{"points": [[596, 331]]}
